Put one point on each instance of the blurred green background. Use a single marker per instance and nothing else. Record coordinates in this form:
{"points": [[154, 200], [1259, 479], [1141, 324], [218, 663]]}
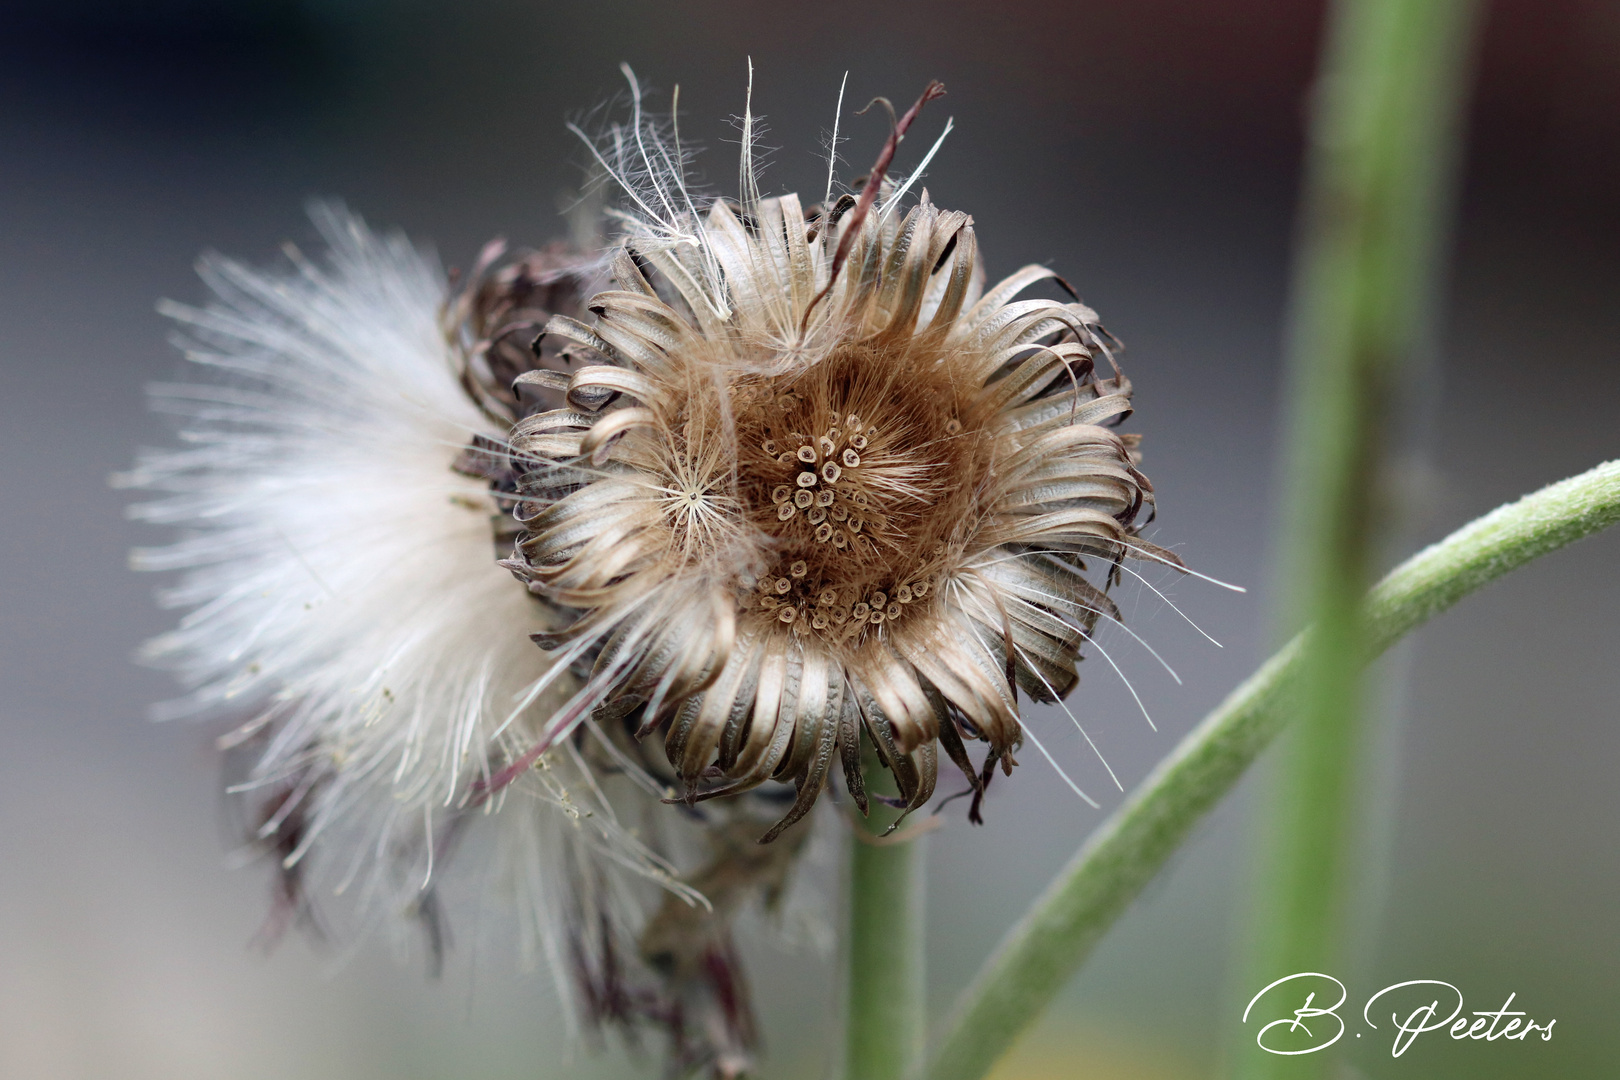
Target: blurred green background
{"points": [[1148, 150]]}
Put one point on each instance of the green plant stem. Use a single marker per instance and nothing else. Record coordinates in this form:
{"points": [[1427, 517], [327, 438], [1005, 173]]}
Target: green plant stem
{"points": [[1047, 945], [1378, 175], [884, 1023], [884, 1036]]}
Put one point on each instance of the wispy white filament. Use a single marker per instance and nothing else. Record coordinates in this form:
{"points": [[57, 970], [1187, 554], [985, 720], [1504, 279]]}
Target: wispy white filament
{"points": [[340, 582]]}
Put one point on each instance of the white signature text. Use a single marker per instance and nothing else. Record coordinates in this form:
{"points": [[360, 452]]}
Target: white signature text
{"points": [[1416, 1007]]}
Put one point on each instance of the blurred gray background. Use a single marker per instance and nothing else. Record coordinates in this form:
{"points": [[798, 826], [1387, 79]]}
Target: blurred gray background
{"points": [[1149, 150]]}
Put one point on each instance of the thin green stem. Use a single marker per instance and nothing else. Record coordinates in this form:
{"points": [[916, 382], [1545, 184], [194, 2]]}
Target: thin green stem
{"points": [[1383, 135], [884, 1022], [1042, 951], [885, 1029]]}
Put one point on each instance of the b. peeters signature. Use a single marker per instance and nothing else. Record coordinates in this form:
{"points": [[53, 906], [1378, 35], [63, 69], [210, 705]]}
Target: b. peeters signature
{"points": [[1408, 1009]]}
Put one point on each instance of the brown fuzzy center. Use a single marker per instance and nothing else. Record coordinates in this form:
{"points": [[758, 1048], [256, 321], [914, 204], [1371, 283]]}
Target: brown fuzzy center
{"points": [[862, 472]]}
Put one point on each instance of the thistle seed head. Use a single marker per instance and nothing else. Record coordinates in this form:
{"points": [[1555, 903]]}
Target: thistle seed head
{"points": [[334, 497], [794, 483], [843, 493]]}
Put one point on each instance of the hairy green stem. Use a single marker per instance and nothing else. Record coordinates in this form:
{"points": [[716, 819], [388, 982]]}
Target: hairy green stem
{"points": [[1046, 946], [1382, 139]]}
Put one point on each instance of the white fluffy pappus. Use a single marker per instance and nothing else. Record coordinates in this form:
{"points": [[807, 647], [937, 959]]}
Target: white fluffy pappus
{"points": [[342, 597]]}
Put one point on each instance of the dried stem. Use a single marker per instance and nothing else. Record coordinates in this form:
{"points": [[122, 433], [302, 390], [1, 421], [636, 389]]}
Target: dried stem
{"points": [[874, 184]]}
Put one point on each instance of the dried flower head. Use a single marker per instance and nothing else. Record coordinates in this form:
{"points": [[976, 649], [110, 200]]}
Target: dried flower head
{"points": [[796, 483], [811, 485]]}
